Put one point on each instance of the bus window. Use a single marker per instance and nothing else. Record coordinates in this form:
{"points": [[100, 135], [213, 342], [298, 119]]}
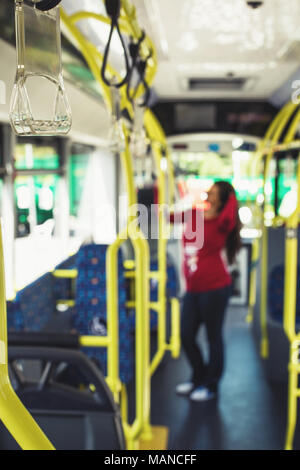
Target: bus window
{"points": [[78, 171], [34, 157], [287, 188], [34, 201], [39, 238], [198, 170], [34, 188], [270, 193], [79, 183], [92, 195]]}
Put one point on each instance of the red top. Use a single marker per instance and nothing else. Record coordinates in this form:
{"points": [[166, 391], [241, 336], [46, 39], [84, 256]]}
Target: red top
{"points": [[204, 266]]}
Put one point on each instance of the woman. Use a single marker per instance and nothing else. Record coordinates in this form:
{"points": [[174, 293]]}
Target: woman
{"points": [[208, 287]]}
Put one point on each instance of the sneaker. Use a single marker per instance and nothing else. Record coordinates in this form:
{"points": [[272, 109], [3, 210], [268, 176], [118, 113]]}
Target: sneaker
{"points": [[202, 394], [185, 388]]}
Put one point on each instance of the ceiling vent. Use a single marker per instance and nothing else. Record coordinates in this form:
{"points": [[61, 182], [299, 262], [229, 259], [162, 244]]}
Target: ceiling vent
{"points": [[217, 84]]}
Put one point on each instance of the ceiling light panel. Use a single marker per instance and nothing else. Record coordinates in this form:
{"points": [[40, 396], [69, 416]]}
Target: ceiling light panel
{"points": [[219, 30], [232, 29], [208, 38]]}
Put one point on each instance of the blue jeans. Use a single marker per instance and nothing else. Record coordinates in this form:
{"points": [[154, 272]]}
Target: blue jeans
{"points": [[207, 308]]}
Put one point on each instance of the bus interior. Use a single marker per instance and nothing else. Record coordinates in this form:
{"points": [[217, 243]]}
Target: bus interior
{"points": [[112, 114]]}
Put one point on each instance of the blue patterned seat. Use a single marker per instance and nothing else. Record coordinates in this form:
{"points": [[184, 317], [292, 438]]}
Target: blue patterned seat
{"points": [[90, 317], [63, 287], [276, 293], [15, 320], [33, 306]]}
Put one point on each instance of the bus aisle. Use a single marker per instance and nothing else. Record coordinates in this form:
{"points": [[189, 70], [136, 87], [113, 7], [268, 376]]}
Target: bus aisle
{"points": [[250, 413]]}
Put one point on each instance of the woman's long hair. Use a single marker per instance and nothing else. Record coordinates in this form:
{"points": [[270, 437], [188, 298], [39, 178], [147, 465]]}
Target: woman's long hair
{"points": [[233, 242]]}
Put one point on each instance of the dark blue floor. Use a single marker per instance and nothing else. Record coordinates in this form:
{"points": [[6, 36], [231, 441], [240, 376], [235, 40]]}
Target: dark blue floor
{"points": [[250, 412]]}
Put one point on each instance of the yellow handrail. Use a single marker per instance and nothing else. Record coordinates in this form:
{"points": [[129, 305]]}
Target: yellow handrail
{"points": [[175, 341], [274, 134], [289, 315], [291, 256], [141, 425], [13, 414], [253, 279], [263, 146], [162, 265], [158, 141], [65, 273], [129, 25], [291, 252]]}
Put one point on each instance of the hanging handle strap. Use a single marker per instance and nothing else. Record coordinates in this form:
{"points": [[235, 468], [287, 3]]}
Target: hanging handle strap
{"points": [[46, 5], [142, 66], [134, 49], [113, 8]]}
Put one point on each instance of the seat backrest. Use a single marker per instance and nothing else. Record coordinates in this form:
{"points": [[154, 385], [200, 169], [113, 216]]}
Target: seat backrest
{"points": [[91, 297], [65, 393], [15, 321], [33, 306], [276, 293], [63, 287]]}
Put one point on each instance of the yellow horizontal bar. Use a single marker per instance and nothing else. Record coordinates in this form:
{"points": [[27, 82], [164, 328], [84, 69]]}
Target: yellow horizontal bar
{"points": [[130, 274], [65, 273], [155, 275], [159, 276], [281, 147], [129, 264], [69, 303], [155, 305], [94, 341]]}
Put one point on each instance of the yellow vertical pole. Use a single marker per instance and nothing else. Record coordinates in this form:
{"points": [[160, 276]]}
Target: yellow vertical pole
{"points": [[112, 303], [253, 278], [13, 414], [292, 407], [141, 426], [290, 294], [141, 248], [290, 276], [175, 342], [159, 144], [264, 345], [263, 244], [289, 315], [162, 262], [285, 115]]}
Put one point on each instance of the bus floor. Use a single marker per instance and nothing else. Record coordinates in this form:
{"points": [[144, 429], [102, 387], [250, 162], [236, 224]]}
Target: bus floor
{"points": [[250, 412]]}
